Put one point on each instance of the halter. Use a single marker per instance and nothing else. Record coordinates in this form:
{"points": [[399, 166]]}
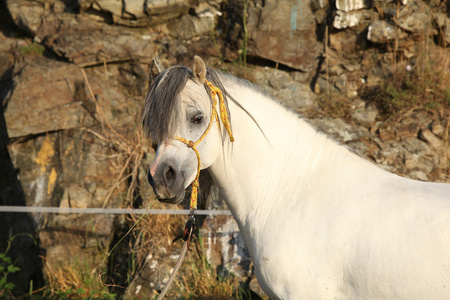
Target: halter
{"points": [[215, 91]]}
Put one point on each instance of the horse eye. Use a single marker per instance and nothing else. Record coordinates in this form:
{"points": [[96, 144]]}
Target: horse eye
{"points": [[198, 119]]}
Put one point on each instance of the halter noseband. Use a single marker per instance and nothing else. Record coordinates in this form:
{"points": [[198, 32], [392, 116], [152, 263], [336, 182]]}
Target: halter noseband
{"points": [[215, 91]]}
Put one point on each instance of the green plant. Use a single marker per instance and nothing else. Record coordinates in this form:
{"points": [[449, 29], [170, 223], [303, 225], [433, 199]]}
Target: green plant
{"points": [[82, 294], [243, 50], [6, 268], [216, 46], [34, 48]]}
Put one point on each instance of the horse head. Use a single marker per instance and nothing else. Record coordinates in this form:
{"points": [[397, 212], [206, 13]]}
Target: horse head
{"points": [[178, 114]]}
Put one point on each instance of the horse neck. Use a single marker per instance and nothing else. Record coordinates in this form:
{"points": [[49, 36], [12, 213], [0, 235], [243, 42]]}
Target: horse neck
{"points": [[266, 165], [287, 165]]}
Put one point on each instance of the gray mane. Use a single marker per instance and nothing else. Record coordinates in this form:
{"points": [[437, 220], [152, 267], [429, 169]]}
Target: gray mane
{"points": [[162, 103], [162, 107]]}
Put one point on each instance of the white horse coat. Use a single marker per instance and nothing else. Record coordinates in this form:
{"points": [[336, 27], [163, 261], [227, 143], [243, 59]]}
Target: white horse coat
{"points": [[319, 221]]}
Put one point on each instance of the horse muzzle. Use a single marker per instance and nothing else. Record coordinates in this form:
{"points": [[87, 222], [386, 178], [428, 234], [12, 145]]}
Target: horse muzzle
{"points": [[167, 182]]}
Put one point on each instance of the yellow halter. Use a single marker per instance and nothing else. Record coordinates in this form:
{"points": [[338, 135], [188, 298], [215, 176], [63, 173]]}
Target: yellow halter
{"points": [[215, 91]]}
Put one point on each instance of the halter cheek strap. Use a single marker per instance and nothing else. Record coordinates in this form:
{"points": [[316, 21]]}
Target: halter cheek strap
{"points": [[223, 108], [215, 91]]}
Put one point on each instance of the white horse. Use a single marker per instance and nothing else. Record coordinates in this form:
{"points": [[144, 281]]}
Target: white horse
{"points": [[319, 221]]}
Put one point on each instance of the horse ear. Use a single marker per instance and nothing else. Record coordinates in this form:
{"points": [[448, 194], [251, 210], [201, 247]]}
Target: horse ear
{"points": [[199, 69], [154, 70]]}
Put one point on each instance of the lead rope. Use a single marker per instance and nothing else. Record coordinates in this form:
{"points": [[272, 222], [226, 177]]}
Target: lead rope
{"points": [[187, 235]]}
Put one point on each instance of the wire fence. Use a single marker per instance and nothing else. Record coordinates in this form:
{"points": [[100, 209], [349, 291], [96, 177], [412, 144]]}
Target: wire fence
{"points": [[116, 211]]}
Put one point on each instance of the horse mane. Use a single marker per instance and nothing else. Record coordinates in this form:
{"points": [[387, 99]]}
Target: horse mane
{"points": [[162, 103], [214, 78], [162, 106]]}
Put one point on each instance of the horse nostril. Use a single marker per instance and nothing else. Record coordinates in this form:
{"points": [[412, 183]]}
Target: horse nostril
{"points": [[169, 175]]}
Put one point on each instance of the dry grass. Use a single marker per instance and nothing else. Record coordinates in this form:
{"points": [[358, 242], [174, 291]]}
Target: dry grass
{"points": [[200, 280], [130, 152], [76, 280], [333, 105], [155, 231], [197, 279], [423, 85], [80, 279]]}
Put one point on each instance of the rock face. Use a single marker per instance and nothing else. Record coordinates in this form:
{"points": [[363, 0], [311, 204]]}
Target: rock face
{"points": [[381, 32], [18, 235], [73, 86], [138, 13], [284, 33], [32, 102]]}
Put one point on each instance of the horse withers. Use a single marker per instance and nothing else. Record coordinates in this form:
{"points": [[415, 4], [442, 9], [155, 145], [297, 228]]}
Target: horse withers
{"points": [[319, 221]]}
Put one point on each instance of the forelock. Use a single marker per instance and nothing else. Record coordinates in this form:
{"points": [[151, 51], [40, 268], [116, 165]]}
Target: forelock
{"points": [[162, 103]]}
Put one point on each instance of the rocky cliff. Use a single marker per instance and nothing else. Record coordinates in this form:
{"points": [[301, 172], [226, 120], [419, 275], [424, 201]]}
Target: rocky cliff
{"points": [[74, 75]]}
